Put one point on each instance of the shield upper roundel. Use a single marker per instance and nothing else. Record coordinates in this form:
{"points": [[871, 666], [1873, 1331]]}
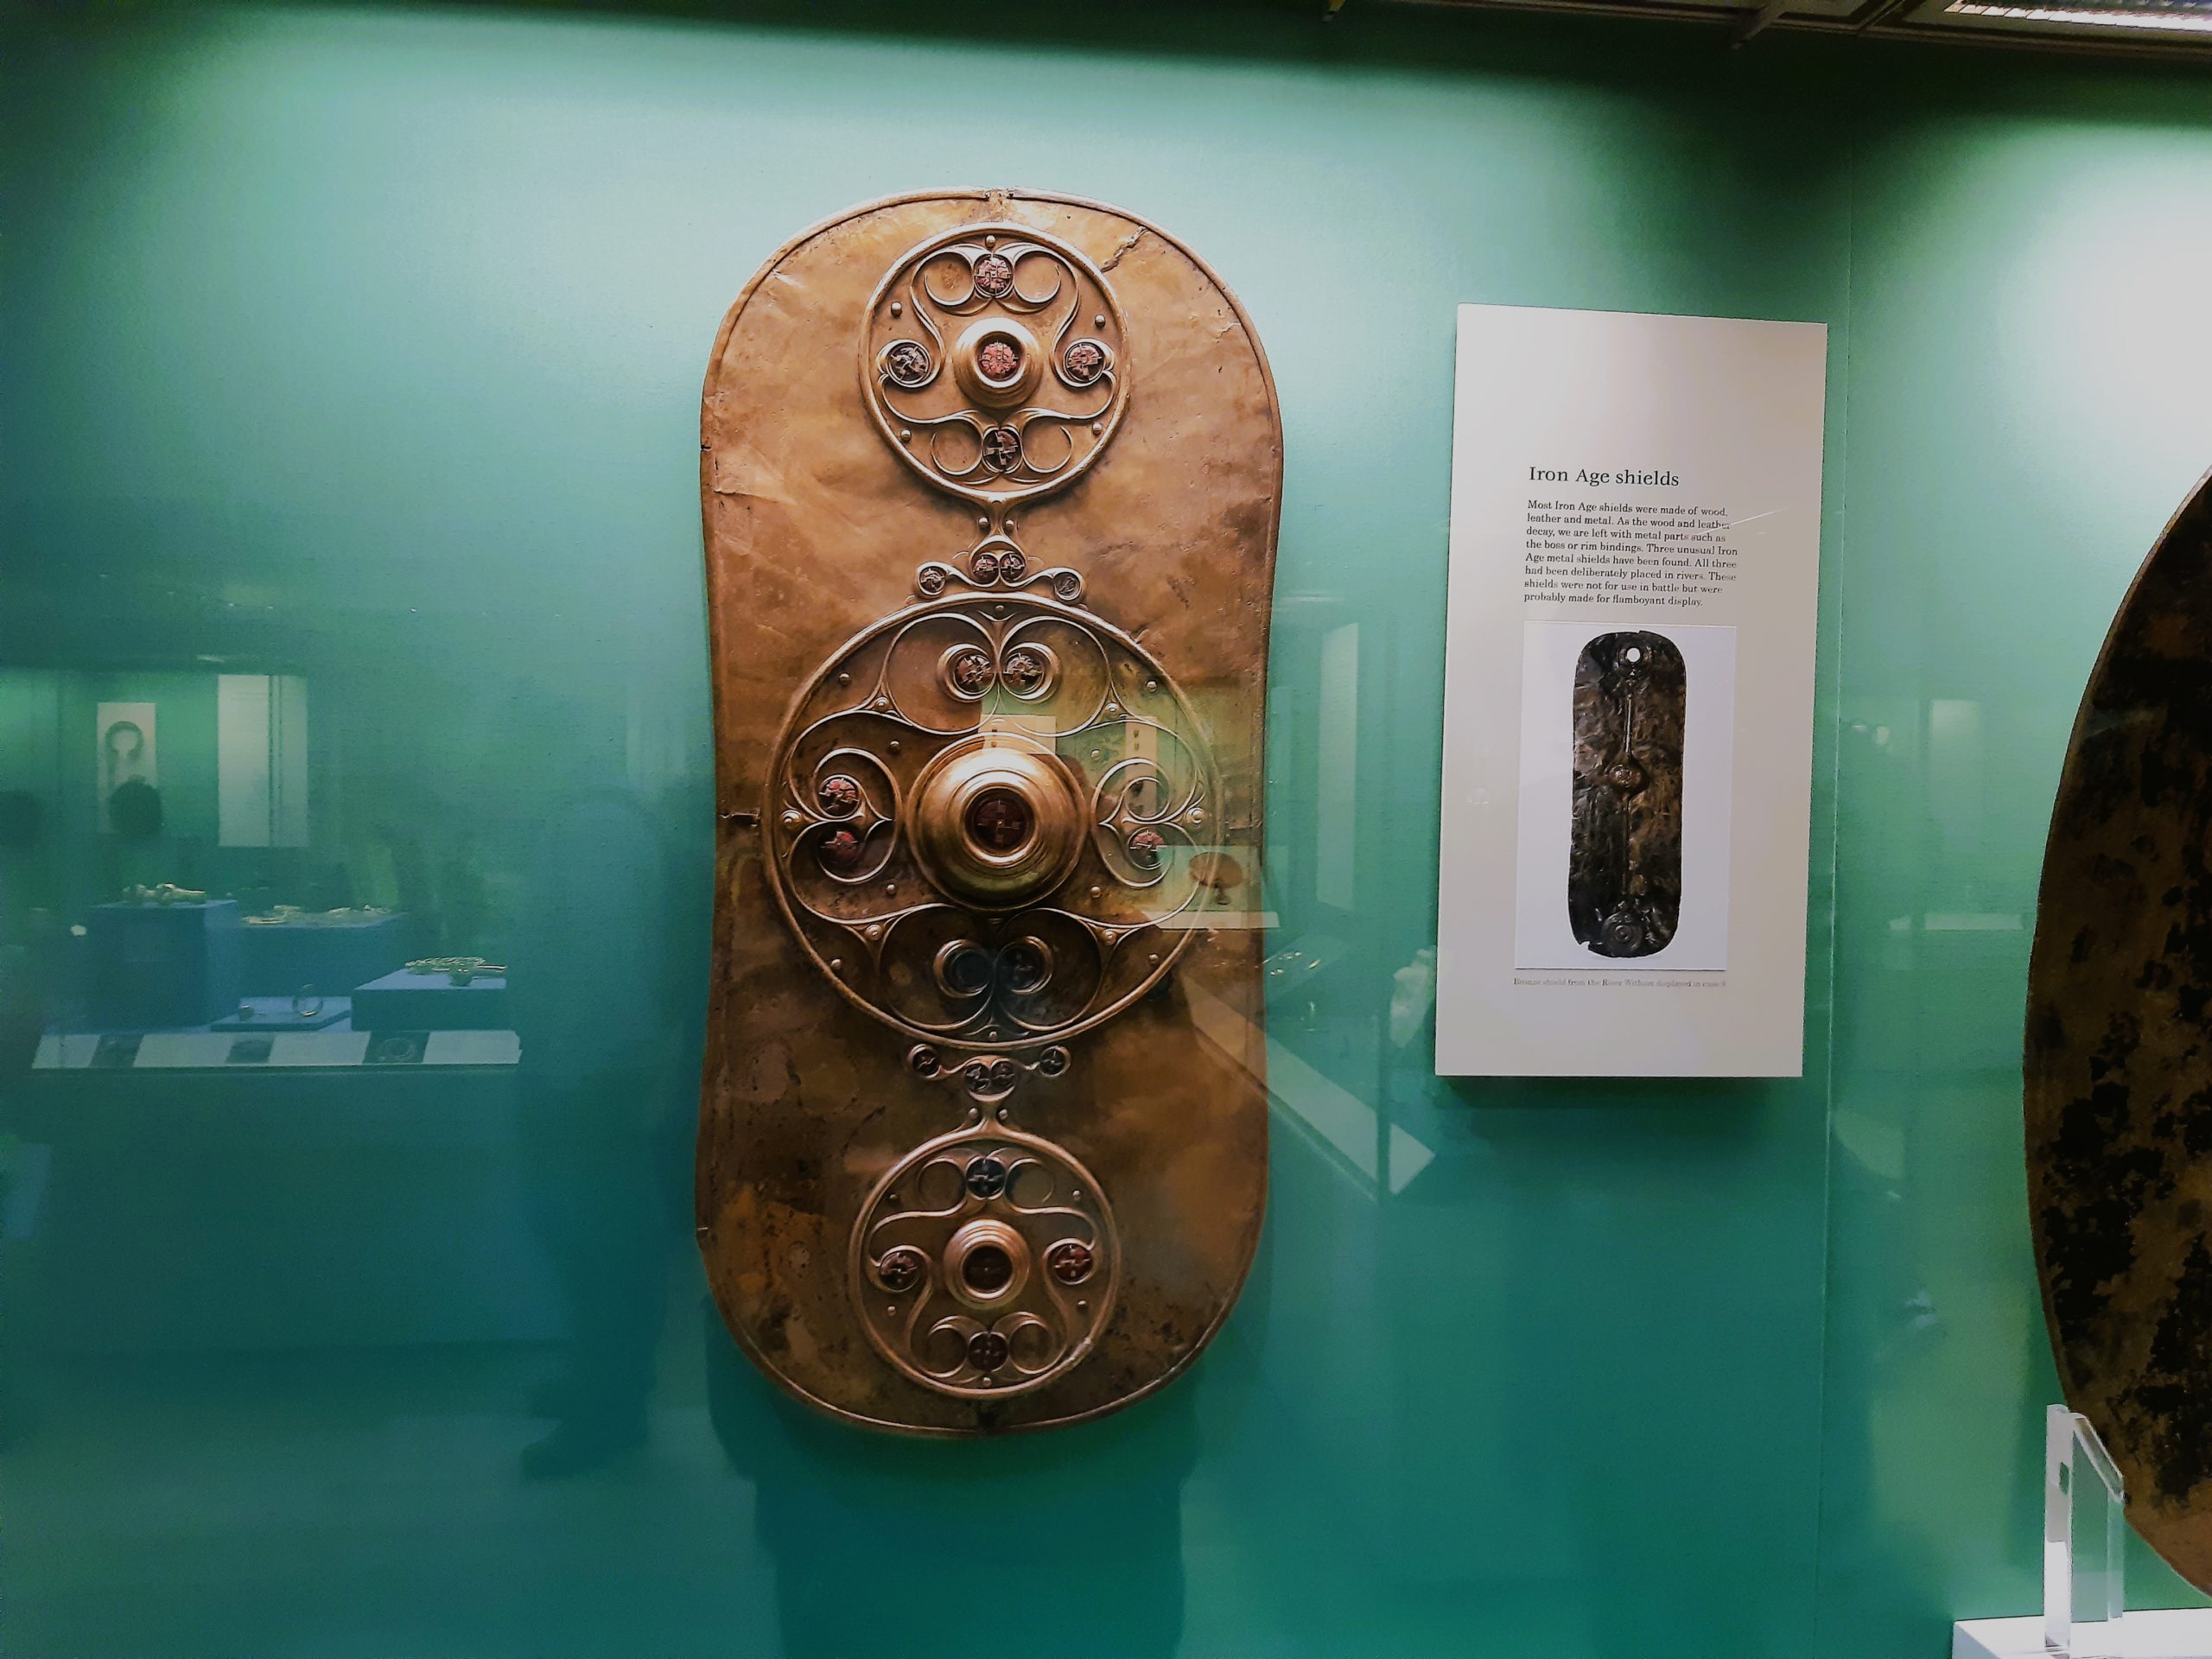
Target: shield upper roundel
{"points": [[990, 483]]}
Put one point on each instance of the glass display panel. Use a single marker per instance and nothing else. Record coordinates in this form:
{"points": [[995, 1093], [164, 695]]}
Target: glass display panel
{"points": [[360, 349]]}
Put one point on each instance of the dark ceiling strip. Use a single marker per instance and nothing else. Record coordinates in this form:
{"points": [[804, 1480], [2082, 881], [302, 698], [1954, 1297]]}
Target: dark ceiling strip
{"points": [[1885, 25]]}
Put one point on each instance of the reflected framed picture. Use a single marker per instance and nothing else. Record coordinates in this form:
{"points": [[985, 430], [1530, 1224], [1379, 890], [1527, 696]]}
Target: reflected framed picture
{"points": [[124, 753]]}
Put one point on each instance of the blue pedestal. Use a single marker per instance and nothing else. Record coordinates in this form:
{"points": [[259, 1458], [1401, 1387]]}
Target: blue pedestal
{"points": [[280, 958], [274, 1013], [406, 1001], [155, 965]]}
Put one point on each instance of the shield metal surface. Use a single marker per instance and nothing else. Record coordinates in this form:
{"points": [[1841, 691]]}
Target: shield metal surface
{"points": [[2119, 1049], [991, 482]]}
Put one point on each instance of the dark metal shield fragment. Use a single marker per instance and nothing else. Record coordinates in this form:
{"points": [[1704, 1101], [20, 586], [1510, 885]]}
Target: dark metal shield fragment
{"points": [[2119, 1052], [1624, 871]]}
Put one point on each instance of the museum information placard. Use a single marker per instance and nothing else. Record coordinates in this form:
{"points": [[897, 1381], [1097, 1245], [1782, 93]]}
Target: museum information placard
{"points": [[1628, 703]]}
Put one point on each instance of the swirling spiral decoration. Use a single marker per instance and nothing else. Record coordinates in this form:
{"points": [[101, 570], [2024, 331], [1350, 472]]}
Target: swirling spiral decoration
{"points": [[983, 818], [985, 1262], [994, 362]]}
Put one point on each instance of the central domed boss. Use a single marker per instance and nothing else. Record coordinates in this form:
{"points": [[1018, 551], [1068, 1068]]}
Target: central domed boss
{"points": [[998, 821]]}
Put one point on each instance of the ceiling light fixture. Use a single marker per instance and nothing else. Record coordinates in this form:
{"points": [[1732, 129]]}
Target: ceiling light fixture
{"points": [[2192, 20]]}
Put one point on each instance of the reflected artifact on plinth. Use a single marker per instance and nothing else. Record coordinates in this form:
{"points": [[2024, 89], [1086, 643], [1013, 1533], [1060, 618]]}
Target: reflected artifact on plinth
{"points": [[2119, 1052], [990, 483]]}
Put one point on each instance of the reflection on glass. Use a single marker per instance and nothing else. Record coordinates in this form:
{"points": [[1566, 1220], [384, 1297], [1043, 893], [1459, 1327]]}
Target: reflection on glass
{"points": [[261, 759]]}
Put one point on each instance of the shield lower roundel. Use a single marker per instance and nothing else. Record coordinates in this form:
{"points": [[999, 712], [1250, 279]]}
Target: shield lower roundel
{"points": [[990, 483]]}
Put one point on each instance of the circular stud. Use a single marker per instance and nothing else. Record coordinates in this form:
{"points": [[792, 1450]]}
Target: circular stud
{"points": [[907, 363], [899, 1270], [1070, 1260], [985, 1176]]}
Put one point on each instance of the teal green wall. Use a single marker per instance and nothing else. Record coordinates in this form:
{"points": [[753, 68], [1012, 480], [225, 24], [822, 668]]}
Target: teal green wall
{"points": [[365, 343], [2027, 258]]}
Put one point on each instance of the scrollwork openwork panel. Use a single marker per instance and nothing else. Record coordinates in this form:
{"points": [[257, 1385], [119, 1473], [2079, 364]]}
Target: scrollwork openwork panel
{"points": [[985, 1262], [994, 362], [978, 804]]}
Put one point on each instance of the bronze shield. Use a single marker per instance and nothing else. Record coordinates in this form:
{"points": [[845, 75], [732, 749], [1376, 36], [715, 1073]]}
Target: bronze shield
{"points": [[2119, 1093], [990, 483]]}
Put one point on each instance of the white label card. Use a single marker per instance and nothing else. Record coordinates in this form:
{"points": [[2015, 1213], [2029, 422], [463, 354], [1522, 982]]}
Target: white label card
{"points": [[1628, 708]]}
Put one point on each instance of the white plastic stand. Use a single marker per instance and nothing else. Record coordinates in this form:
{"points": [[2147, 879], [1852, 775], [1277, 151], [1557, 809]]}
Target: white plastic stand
{"points": [[2186, 1634], [2084, 1539], [2084, 1550]]}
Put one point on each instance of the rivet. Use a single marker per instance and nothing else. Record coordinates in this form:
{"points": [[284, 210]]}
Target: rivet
{"points": [[1112, 708], [998, 610], [837, 964], [905, 435], [792, 820], [893, 745], [1096, 891], [891, 1199], [1152, 685], [1002, 1114], [844, 679], [873, 930], [1097, 427], [892, 1312], [1098, 322], [1098, 754], [983, 523], [1081, 1306], [1155, 958], [891, 886], [896, 307], [990, 241], [883, 703]]}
